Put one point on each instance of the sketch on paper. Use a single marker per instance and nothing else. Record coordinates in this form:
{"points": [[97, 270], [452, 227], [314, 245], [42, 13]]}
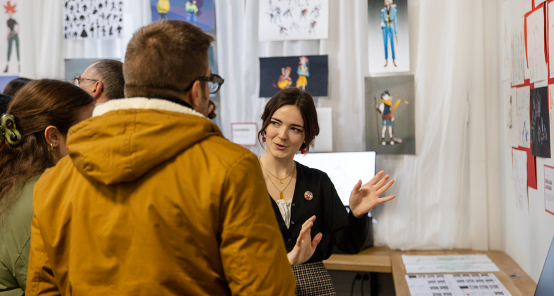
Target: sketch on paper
{"points": [[10, 49], [536, 56], [515, 123], [551, 113], [519, 175], [551, 37], [518, 53], [507, 97], [540, 122], [93, 19], [311, 75], [293, 20], [198, 12], [523, 117], [506, 42]]}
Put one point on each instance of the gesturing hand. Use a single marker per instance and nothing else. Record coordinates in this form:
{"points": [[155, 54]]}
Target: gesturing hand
{"points": [[366, 197], [305, 246]]}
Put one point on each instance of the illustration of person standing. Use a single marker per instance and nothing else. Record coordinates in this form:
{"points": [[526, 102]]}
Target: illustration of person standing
{"points": [[284, 80], [388, 20], [163, 8], [192, 11], [13, 33], [386, 110], [303, 73]]}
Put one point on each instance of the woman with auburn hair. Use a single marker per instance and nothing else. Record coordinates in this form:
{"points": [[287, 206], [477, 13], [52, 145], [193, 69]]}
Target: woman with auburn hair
{"points": [[300, 194], [33, 135]]}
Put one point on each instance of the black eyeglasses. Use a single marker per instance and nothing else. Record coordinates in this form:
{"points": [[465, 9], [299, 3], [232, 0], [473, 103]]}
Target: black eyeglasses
{"points": [[214, 83], [77, 80]]}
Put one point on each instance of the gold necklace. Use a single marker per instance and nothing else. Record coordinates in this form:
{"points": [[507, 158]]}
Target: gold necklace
{"points": [[280, 191], [280, 180]]}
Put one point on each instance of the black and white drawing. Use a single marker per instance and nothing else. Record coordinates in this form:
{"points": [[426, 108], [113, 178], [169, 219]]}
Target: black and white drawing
{"points": [[93, 19]]}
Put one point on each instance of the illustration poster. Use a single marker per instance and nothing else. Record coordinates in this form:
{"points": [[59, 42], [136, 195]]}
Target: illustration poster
{"points": [[9, 46], [388, 36], [540, 123], [506, 42], [293, 20], [308, 73], [523, 120], [198, 12], [518, 53], [93, 19], [390, 120], [536, 57], [551, 37]]}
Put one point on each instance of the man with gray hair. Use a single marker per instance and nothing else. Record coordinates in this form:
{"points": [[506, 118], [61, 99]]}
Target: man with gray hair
{"points": [[103, 80]]}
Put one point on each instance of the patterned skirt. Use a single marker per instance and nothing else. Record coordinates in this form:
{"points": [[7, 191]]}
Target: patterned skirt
{"points": [[313, 279]]}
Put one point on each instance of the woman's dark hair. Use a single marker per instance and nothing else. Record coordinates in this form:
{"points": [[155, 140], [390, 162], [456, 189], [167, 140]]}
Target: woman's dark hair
{"points": [[13, 86], [4, 102], [304, 102], [36, 106]]}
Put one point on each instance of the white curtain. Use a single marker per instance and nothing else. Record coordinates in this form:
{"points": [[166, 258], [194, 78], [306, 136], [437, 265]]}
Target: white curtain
{"points": [[435, 207]]}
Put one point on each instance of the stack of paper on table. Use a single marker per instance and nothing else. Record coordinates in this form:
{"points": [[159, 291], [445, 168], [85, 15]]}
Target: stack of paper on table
{"points": [[448, 263], [456, 285]]}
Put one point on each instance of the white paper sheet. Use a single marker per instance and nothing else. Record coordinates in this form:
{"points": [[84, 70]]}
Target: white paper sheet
{"points": [[293, 20], [506, 41], [453, 259], [551, 37], [519, 173], [515, 131], [526, 6], [456, 285], [536, 56], [324, 141], [523, 116], [507, 98], [549, 189], [451, 267], [551, 115], [244, 134], [518, 52]]}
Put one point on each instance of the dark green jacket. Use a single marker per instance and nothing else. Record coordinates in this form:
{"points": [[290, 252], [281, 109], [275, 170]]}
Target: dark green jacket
{"points": [[15, 238]]}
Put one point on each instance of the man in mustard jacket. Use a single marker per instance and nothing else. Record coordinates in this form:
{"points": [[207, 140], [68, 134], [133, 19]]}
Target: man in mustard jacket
{"points": [[152, 200]]}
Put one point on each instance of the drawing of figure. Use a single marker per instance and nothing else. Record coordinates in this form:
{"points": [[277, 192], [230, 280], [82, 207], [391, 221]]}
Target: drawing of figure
{"points": [[284, 80], [312, 27], [163, 7], [282, 31], [303, 73], [287, 13], [13, 33], [315, 12], [388, 20], [385, 109], [277, 13], [192, 11], [303, 13], [295, 26]]}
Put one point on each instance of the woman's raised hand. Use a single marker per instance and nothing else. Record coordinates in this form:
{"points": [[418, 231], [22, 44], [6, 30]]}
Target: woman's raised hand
{"points": [[305, 246], [366, 197]]}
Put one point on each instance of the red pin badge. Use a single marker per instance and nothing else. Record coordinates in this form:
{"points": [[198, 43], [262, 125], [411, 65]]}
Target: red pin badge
{"points": [[308, 195]]}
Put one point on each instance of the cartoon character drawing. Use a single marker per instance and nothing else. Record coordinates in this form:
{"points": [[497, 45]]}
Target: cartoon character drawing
{"points": [[303, 73], [312, 27], [192, 11], [13, 32], [388, 20], [385, 108], [163, 7], [282, 31], [284, 80]]}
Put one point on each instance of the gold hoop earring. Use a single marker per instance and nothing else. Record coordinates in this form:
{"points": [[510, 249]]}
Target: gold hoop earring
{"points": [[51, 148]]}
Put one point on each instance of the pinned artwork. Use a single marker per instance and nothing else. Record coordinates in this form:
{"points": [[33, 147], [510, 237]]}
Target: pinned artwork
{"points": [[540, 123], [518, 53], [536, 57], [293, 20], [93, 19], [506, 42], [197, 12], [523, 117], [390, 120], [9, 46], [308, 73], [388, 36]]}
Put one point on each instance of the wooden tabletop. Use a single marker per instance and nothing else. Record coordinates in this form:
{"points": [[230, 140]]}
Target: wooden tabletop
{"points": [[375, 259], [517, 286]]}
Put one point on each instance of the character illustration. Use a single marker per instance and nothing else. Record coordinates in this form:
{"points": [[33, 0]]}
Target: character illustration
{"points": [[385, 109], [284, 80], [163, 8], [388, 20], [192, 11], [13, 33], [303, 73]]}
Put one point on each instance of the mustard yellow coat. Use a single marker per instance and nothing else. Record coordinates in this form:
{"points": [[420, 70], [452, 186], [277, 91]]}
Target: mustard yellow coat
{"points": [[154, 201]]}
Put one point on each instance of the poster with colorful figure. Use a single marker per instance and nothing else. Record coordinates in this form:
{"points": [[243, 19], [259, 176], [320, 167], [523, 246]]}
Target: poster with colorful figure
{"points": [[388, 36], [198, 12], [308, 73], [293, 20], [9, 47], [93, 19], [390, 114]]}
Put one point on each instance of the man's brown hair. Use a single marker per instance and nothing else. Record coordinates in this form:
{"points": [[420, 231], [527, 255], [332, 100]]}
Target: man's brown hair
{"points": [[165, 57]]}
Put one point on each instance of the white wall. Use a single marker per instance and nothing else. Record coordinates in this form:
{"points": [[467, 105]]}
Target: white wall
{"points": [[526, 237]]}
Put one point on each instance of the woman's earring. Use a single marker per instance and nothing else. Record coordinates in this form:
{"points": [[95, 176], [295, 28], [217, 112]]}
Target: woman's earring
{"points": [[51, 148], [302, 151], [263, 139]]}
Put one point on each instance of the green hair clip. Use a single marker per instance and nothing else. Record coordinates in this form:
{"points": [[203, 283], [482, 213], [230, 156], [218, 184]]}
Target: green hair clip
{"points": [[8, 130]]}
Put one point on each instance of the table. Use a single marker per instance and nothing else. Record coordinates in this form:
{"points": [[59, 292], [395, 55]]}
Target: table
{"points": [[517, 286]]}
